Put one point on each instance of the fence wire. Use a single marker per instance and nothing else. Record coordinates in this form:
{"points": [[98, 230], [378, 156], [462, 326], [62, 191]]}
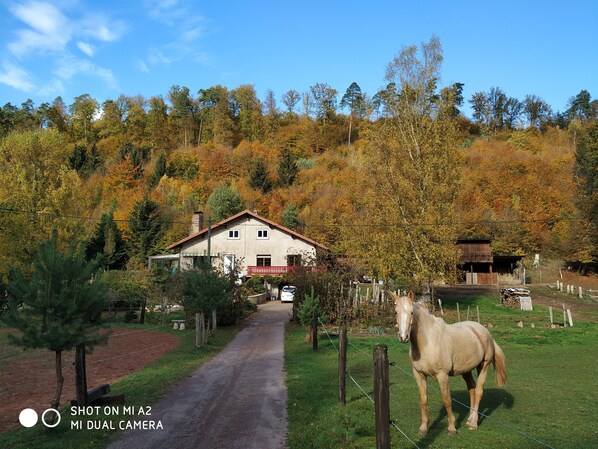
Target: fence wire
{"points": [[392, 421], [435, 387]]}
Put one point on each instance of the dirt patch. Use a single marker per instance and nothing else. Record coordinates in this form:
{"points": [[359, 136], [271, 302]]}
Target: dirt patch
{"points": [[27, 378]]}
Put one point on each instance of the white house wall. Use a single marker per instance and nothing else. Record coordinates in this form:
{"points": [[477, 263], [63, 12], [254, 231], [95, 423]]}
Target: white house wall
{"points": [[278, 245]]}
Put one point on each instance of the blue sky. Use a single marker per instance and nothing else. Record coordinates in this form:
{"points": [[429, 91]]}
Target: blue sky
{"points": [[70, 47]]}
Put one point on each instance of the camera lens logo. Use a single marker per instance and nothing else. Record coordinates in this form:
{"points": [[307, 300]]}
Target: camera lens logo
{"points": [[28, 417]]}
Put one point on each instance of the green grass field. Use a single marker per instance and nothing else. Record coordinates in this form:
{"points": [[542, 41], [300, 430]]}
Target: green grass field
{"points": [[549, 400], [141, 389]]}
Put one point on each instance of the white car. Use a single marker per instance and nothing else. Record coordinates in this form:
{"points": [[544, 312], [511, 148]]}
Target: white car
{"points": [[287, 293]]}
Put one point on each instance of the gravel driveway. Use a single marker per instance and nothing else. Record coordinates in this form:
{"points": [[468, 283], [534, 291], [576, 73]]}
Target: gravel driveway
{"points": [[236, 400]]}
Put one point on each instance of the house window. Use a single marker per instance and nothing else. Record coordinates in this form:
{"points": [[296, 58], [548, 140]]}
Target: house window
{"points": [[233, 234], [294, 260], [264, 261], [262, 233]]}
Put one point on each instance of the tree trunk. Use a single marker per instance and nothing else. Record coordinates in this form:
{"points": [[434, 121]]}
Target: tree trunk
{"points": [[80, 376], [214, 324], [59, 383]]}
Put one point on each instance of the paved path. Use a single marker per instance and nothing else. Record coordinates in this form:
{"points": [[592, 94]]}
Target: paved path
{"points": [[236, 400]]}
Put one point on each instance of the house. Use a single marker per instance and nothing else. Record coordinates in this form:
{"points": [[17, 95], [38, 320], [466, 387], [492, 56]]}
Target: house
{"points": [[257, 245], [479, 266]]}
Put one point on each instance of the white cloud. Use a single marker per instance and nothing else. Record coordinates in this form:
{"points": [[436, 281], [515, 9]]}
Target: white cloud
{"points": [[16, 77], [102, 28], [142, 66], [49, 30], [69, 67], [85, 48]]}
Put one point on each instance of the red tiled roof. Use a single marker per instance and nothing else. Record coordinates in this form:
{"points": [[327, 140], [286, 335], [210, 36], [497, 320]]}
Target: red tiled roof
{"points": [[254, 215]]}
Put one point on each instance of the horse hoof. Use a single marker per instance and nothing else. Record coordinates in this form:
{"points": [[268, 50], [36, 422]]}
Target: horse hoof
{"points": [[423, 433], [452, 432], [472, 427]]}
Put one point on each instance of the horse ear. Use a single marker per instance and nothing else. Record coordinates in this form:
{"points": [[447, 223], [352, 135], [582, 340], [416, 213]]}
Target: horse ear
{"points": [[394, 297], [411, 295]]}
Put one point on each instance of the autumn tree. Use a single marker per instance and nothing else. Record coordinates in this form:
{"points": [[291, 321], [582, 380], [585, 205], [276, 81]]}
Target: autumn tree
{"points": [[83, 112], [37, 188], [325, 98], [182, 112], [536, 110], [157, 127], [58, 307], [412, 171], [248, 112], [585, 245], [290, 99]]}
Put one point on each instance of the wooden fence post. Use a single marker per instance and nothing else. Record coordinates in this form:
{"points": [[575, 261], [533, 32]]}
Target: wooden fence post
{"points": [[200, 330], [342, 365], [314, 330], [382, 396]]}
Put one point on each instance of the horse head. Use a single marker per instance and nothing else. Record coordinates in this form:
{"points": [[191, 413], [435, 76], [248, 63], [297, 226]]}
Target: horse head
{"points": [[404, 314]]}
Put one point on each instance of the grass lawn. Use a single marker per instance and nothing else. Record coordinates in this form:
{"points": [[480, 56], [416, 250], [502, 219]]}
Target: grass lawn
{"points": [[141, 388], [549, 400]]}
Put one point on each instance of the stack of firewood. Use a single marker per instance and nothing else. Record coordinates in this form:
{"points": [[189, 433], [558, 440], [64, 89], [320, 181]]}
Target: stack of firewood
{"points": [[513, 296]]}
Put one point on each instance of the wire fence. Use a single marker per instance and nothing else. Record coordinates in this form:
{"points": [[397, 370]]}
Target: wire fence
{"points": [[362, 389], [436, 388]]}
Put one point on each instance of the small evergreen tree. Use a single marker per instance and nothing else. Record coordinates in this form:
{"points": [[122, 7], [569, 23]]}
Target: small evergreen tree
{"points": [[290, 218], [258, 178], [107, 244], [287, 168], [159, 170], [58, 308], [146, 226], [224, 202]]}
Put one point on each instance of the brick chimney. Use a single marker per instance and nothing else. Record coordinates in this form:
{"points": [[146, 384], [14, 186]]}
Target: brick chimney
{"points": [[197, 222]]}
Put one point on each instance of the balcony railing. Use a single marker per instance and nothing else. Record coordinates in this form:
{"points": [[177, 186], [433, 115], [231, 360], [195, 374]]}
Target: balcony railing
{"points": [[253, 270]]}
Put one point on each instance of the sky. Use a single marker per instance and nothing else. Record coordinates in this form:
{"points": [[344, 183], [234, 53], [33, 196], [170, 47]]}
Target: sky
{"points": [[143, 47]]}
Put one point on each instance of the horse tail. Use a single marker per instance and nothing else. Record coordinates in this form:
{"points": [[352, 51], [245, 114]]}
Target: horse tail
{"points": [[500, 367]]}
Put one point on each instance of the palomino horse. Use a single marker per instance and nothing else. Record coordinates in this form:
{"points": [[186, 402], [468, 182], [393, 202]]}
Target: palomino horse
{"points": [[441, 350]]}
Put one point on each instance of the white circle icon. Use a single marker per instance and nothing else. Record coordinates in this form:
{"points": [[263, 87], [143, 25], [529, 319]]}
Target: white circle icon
{"points": [[57, 420], [28, 417]]}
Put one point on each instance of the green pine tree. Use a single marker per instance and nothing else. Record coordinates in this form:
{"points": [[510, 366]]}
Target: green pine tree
{"points": [[258, 178], [287, 168], [59, 307], [224, 202], [146, 226], [107, 244]]}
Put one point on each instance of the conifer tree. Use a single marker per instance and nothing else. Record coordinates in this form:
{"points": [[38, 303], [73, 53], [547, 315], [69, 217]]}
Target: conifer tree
{"points": [[58, 308], [107, 244], [224, 202], [258, 178], [146, 226], [287, 168]]}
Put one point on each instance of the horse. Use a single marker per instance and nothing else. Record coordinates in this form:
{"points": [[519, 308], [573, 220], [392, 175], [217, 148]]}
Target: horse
{"points": [[441, 350]]}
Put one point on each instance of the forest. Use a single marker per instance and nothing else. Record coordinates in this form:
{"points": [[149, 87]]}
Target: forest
{"points": [[340, 166]]}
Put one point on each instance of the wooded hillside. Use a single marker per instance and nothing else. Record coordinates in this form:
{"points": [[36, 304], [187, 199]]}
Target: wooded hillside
{"points": [[129, 172]]}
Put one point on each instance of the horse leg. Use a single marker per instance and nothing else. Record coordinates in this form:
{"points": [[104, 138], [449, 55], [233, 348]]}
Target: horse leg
{"points": [[443, 382], [422, 384], [471, 386], [472, 422]]}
